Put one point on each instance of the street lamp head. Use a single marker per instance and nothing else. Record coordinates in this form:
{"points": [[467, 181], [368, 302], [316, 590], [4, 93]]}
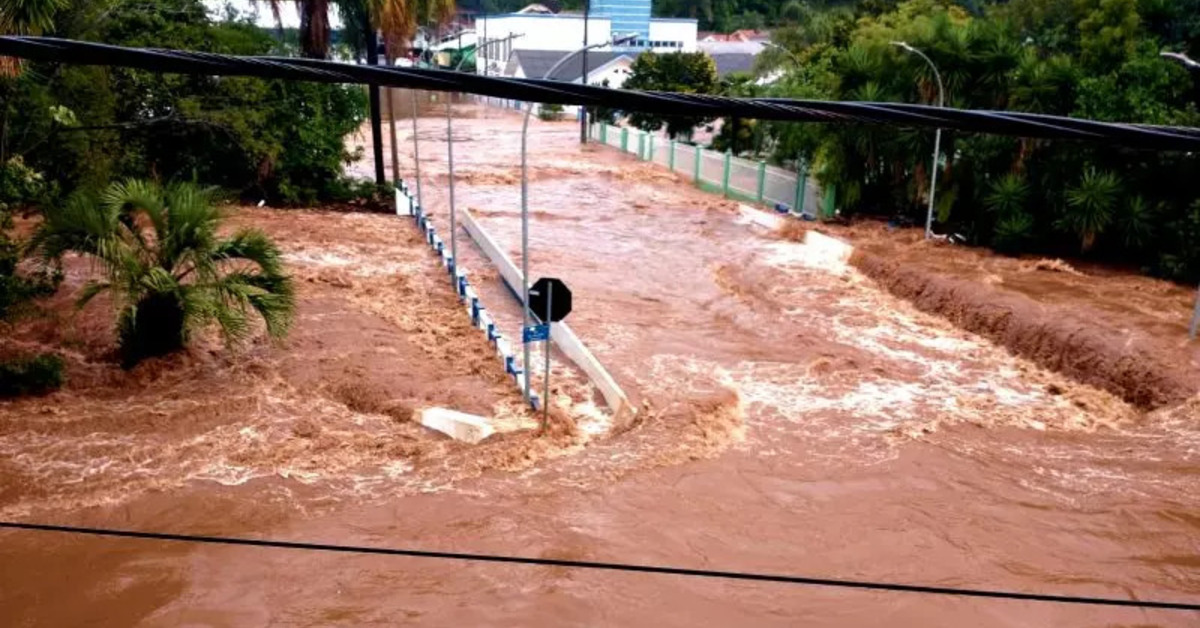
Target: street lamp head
{"points": [[1179, 56], [617, 41], [904, 45]]}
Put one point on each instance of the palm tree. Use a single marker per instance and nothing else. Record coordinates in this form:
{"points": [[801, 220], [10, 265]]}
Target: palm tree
{"points": [[169, 271], [1006, 195], [25, 17], [396, 19], [1090, 206]]}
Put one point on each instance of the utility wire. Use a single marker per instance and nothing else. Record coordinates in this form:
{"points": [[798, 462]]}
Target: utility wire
{"points": [[1139, 136], [594, 565]]}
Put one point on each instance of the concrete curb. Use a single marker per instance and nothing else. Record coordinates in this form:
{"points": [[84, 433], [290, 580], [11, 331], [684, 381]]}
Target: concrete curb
{"points": [[561, 333], [406, 205]]}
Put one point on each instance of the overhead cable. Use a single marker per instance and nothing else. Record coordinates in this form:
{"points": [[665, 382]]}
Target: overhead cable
{"points": [[1139, 136], [605, 566]]}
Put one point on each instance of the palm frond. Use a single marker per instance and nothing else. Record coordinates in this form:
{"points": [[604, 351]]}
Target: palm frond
{"points": [[131, 199], [251, 245], [193, 222], [89, 292]]}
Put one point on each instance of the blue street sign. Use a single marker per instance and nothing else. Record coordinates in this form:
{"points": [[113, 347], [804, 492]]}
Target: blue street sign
{"points": [[536, 333]]}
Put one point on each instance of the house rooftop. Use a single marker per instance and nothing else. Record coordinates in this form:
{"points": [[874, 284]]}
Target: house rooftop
{"points": [[536, 63]]}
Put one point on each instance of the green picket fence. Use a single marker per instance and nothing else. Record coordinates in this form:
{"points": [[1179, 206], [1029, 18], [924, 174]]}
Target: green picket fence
{"points": [[720, 173]]}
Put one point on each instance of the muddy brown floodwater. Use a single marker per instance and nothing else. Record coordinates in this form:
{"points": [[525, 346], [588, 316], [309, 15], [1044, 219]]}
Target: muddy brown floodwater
{"points": [[796, 419]]}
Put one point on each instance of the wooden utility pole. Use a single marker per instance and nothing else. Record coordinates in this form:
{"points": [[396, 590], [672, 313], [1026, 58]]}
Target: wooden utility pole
{"points": [[376, 117]]}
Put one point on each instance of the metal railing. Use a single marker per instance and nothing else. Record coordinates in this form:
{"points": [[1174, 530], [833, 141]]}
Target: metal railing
{"points": [[720, 173]]}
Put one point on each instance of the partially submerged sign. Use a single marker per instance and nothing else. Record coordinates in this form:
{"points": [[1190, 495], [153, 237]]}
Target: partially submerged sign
{"points": [[550, 299]]}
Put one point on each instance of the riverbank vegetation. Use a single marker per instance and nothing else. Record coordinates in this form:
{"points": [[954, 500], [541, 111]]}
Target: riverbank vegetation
{"points": [[1096, 59], [68, 131]]}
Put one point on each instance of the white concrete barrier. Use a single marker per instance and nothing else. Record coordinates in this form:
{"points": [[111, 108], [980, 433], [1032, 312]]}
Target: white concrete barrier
{"points": [[462, 287], [560, 333]]}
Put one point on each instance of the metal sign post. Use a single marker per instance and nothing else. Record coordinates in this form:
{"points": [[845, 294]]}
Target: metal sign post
{"points": [[416, 150], [450, 161], [541, 298], [546, 348]]}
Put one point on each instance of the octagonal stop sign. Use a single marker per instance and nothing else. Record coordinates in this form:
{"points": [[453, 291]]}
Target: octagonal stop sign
{"points": [[550, 299]]}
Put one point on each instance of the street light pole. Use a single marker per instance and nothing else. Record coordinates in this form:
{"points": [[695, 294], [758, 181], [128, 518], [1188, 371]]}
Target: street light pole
{"points": [[937, 138], [789, 53], [1194, 65], [528, 315], [583, 116], [481, 45]]}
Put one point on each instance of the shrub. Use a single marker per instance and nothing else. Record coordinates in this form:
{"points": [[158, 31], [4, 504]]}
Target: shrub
{"points": [[20, 186], [31, 376], [1090, 206], [165, 264], [1013, 232], [550, 112]]}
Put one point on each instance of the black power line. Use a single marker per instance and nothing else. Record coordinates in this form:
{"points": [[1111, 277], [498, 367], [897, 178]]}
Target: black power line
{"points": [[624, 567], [1019, 124]]}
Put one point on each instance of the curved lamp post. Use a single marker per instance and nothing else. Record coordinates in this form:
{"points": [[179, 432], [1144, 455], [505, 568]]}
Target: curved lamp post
{"points": [[450, 153], [789, 53], [937, 138], [1194, 65], [1182, 58], [528, 315], [450, 165]]}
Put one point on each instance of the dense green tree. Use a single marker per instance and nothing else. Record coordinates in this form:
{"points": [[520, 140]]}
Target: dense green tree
{"points": [[81, 126], [683, 72], [1085, 58]]}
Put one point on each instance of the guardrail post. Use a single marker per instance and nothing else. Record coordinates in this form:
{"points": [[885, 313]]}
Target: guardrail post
{"points": [[762, 179], [725, 182], [696, 175], [624, 139], [801, 185], [671, 158], [651, 157], [641, 145]]}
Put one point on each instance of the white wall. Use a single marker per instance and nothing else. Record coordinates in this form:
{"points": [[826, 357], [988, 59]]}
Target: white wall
{"points": [[674, 30], [539, 32]]}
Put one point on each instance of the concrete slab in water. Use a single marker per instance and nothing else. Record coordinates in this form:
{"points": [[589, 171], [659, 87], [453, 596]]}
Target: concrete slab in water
{"points": [[468, 428]]}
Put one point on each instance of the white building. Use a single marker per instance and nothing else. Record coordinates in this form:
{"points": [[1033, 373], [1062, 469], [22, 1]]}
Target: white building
{"points": [[564, 32]]}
